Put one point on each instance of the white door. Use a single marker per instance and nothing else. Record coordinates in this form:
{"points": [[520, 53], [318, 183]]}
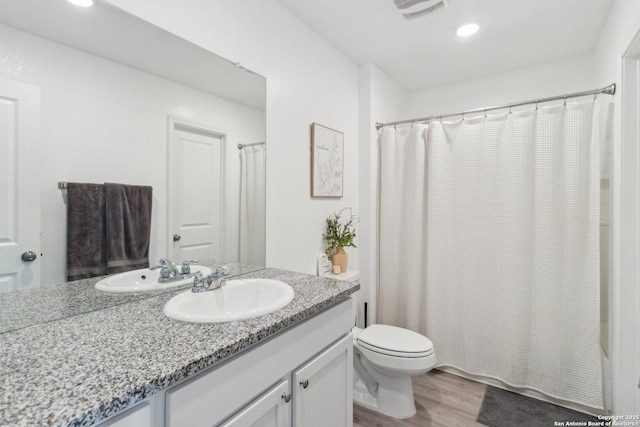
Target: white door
{"points": [[272, 409], [19, 189], [323, 388], [196, 173]]}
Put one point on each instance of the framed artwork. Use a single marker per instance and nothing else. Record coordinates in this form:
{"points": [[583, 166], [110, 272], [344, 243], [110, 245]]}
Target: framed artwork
{"points": [[327, 162]]}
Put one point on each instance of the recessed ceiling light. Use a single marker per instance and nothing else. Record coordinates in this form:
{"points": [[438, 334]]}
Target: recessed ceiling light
{"points": [[467, 30], [82, 3]]}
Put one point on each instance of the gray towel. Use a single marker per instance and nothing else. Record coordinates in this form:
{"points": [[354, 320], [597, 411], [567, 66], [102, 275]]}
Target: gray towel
{"points": [[86, 231], [128, 226]]}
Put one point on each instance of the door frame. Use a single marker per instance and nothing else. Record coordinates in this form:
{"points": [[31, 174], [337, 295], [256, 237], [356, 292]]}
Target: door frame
{"points": [[175, 125], [626, 366]]}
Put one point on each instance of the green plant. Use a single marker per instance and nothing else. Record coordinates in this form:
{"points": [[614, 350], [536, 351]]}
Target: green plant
{"points": [[340, 233]]}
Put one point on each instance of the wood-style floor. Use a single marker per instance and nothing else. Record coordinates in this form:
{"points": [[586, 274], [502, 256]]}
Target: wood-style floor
{"points": [[442, 400]]}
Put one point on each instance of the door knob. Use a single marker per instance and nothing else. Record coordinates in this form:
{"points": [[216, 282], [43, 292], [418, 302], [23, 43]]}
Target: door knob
{"points": [[176, 237], [28, 256]]}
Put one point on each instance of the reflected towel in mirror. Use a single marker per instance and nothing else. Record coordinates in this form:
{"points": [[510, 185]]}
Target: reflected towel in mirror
{"points": [[86, 231], [128, 226], [108, 228]]}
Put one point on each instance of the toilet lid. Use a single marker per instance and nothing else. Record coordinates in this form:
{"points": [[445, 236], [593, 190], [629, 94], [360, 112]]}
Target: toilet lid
{"points": [[395, 341]]}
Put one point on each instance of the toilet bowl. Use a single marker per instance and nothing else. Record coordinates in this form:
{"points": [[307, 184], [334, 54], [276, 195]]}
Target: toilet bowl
{"points": [[384, 360]]}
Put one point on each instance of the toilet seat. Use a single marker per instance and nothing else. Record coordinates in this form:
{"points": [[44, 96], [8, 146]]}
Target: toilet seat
{"points": [[395, 341]]}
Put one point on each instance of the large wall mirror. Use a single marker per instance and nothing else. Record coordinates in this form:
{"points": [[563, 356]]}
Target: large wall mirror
{"points": [[95, 95]]}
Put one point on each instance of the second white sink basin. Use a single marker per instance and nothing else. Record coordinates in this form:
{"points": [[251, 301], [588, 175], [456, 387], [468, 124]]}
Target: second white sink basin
{"points": [[236, 300], [144, 279]]}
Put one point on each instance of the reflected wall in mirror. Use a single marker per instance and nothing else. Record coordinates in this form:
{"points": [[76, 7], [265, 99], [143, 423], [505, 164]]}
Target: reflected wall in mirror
{"points": [[121, 100]]}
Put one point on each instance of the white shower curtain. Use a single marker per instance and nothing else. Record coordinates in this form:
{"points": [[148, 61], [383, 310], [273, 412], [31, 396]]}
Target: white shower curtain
{"points": [[252, 205], [509, 274], [403, 227]]}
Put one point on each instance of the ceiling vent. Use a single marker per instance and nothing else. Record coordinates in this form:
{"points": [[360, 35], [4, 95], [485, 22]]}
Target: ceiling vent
{"points": [[412, 9]]}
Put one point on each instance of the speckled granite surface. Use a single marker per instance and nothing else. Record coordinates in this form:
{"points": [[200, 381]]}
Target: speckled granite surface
{"points": [[80, 370], [52, 302]]}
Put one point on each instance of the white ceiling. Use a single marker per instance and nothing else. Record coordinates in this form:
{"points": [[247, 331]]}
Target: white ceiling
{"points": [[425, 52], [116, 35]]}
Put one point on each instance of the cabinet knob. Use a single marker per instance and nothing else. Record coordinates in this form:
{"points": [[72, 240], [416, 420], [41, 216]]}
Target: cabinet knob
{"points": [[304, 383], [286, 397], [176, 237]]}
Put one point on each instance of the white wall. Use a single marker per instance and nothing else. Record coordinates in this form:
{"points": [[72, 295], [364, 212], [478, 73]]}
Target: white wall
{"points": [[619, 31], [308, 81], [570, 75], [380, 100], [105, 122]]}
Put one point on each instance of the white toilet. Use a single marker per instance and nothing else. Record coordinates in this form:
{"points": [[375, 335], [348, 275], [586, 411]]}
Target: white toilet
{"points": [[384, 360]]}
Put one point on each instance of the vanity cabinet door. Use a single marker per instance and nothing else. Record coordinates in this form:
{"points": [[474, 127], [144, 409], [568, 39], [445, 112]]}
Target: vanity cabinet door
{"points": [[139, 416], [322, 388], [272, 409]]}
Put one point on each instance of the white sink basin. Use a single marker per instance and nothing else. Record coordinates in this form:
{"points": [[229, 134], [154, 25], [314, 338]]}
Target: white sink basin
{"points": [[144, 280], [236, 300]]}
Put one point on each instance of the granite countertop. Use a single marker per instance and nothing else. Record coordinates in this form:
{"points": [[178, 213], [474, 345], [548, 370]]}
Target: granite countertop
{"points": [[80, 370], [52, 302]]}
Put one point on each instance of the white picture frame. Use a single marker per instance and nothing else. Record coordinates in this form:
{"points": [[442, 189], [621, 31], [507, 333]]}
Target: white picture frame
{"points": [[327, 162]]}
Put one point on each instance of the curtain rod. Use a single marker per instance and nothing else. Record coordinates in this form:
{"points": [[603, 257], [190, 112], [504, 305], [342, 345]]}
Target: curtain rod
{"points": [[241, 146], [609, 90]]}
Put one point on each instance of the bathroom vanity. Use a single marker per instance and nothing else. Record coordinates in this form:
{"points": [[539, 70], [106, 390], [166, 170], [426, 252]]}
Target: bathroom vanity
{"points": [[129, 365]]}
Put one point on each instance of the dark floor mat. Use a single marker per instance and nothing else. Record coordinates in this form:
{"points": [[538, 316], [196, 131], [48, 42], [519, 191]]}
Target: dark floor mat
{"points": [[501, 408]]}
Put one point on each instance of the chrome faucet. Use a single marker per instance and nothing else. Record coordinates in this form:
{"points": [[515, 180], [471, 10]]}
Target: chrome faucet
{"points": [[169, 272], [211, 282]]}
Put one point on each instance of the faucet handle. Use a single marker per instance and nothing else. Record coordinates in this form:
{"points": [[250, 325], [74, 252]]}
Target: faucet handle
{"points": [[165, 272], [199, 283], [186, 269], [222, 270]]}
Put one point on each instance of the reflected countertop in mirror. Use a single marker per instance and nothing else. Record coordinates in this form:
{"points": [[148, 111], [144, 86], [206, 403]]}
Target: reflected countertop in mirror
{"points": [[121, 100], [53, 302]]}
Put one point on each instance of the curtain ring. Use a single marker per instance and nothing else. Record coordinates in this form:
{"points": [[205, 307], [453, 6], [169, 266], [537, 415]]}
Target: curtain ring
{"points": [[510, 108], [485, 113], [536, 105], [565, 99]]}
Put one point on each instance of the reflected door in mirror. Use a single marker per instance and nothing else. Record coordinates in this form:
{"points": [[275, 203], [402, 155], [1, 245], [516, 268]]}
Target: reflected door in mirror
{"points": [[196, 183], [19, 186]]}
